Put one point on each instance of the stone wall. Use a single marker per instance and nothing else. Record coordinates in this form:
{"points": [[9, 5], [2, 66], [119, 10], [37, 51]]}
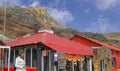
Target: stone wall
{"points": [[102, 53]]}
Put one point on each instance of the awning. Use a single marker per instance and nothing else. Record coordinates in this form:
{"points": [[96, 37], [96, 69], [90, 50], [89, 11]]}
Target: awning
{"points": [[53, 41]]}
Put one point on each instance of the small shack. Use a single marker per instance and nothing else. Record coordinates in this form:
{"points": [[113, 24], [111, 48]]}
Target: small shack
{"points": [[106, 57]]}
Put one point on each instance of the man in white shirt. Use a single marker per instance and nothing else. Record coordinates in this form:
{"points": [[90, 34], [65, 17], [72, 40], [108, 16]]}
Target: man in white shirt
{"points": [[19, 62]]}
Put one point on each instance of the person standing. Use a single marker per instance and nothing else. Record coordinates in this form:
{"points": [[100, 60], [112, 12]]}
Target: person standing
{"points": [[20, 62]]}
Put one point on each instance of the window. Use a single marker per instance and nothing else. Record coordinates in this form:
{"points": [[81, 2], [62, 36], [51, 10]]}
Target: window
{"points": [[114, 62], [95, 51], [69, 66], [4, 58], [31, 57], [34, 57], [86, 64], [12, 58], [28, 55]]}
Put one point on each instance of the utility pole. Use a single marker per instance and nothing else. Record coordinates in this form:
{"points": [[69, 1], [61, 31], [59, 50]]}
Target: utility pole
{"points": [[4, 17]]}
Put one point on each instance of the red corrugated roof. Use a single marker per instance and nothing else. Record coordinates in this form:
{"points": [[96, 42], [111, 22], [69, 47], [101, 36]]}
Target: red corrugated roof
{"points": [[101, 43], [55, 42]]}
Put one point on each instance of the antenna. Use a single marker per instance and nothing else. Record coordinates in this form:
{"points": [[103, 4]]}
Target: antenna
{"points": [[4, 17]]}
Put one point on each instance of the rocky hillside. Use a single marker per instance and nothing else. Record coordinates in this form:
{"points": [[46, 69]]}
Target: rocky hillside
{"points": [[26, 21], [114, 38], [22, 21]]}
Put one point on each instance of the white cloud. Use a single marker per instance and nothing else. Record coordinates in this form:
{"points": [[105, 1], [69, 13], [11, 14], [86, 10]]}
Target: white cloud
{"points": [[35, 4], [101, 25], [62, 16], [106, 4]]}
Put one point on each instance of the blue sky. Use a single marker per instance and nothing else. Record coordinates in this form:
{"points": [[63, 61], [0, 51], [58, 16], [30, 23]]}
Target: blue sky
{"points": [[98, 16]]}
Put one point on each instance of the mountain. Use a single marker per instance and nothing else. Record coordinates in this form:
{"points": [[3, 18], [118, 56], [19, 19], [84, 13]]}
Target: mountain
{"points": [[26, 21], [22, 21], [114, 38]]}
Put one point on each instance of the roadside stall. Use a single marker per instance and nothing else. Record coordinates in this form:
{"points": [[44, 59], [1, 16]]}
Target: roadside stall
{"points": [[46, 51]]}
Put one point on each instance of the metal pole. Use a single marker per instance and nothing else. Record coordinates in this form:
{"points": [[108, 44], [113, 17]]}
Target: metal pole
{"points": [[9, 60], [90, 61], [14, 57], [72, 66], [4, 17], [42, 61], [25, 55], [31, 57], [50, 60], [81, 65]]}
